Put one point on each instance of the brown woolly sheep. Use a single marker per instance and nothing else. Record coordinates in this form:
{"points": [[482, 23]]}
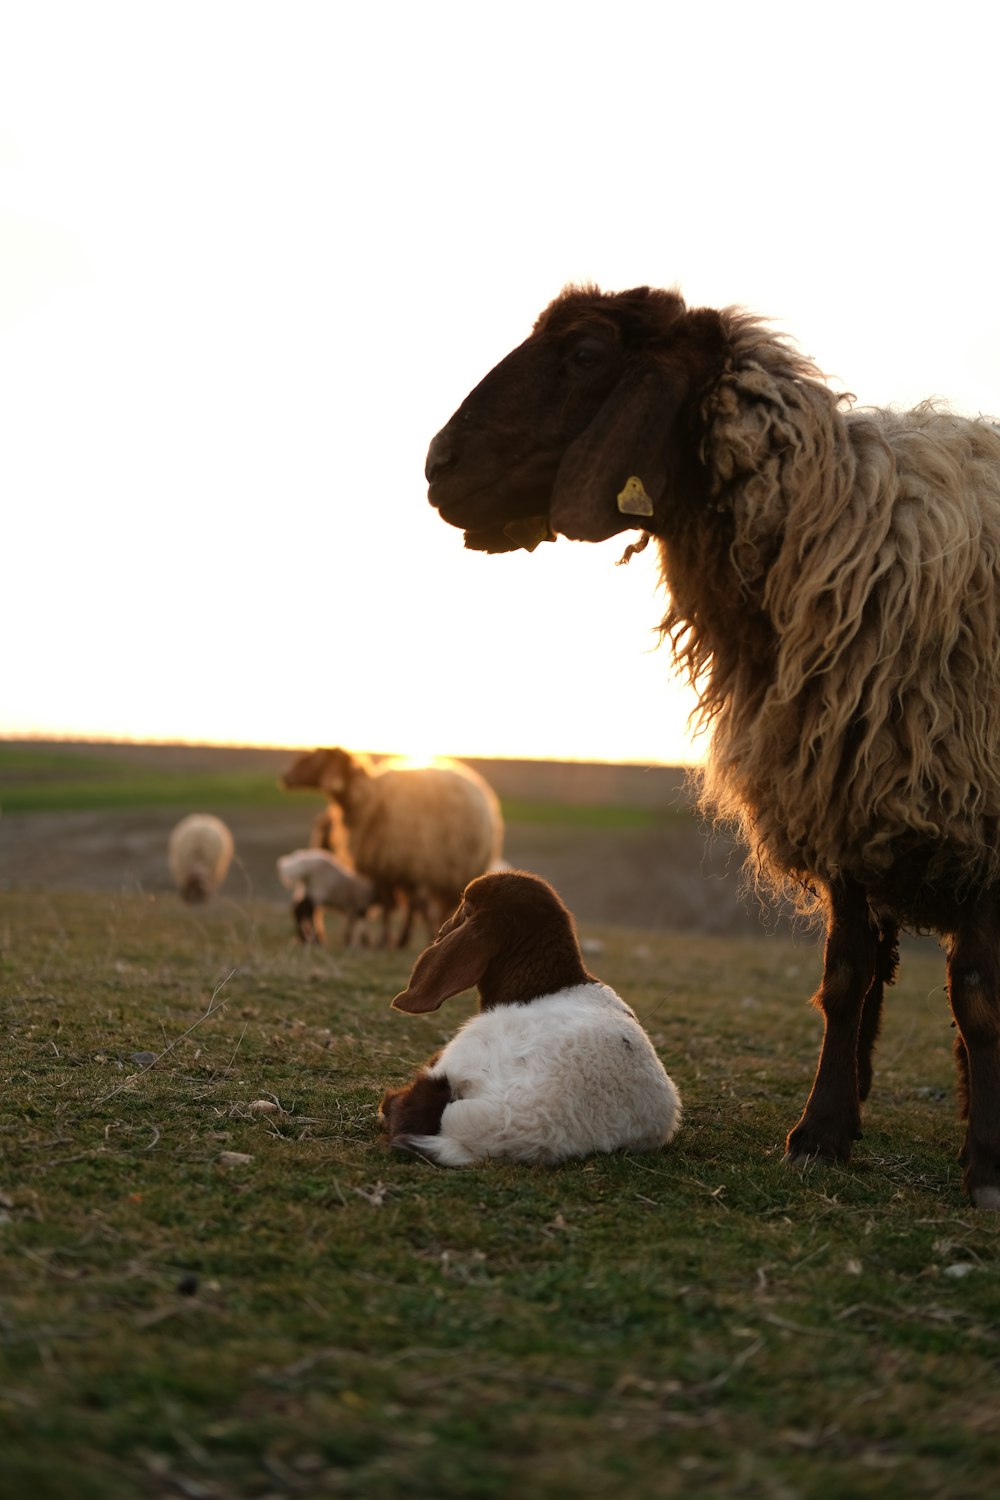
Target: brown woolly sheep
{"points": [[419, 833], [834, 594]]}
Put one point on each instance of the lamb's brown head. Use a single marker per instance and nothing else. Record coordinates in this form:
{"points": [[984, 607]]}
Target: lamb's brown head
{"points": [[511, 936], [573, 433]]}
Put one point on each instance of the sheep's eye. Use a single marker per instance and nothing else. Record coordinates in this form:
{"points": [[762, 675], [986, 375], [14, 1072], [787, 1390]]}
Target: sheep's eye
{"points": [[588, 353]]}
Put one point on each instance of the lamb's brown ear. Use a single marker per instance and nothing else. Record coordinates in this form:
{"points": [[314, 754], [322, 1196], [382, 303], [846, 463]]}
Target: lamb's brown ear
{"points": [[613, 475], [455, 962]]}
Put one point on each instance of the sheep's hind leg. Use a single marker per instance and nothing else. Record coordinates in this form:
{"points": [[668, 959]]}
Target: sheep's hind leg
{"points": [[974, 993], [414, 1111], [831, 1120]]}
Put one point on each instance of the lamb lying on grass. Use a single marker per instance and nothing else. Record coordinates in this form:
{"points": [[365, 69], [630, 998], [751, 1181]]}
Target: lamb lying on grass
{"points": [[554, 1066]]}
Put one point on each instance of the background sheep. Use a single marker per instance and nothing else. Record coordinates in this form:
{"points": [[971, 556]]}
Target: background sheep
{"points": [[833, 594], [199, 851], [317, 880], [554, 1066], [419, 833]]}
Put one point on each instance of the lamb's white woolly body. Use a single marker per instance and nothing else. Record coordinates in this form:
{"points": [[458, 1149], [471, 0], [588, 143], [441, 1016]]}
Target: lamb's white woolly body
{"points": [[319, 874], [318, 879], [559, 1076]]}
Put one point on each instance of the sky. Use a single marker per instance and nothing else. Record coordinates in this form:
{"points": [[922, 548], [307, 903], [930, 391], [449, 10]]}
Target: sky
{"points": [[253, 255]]}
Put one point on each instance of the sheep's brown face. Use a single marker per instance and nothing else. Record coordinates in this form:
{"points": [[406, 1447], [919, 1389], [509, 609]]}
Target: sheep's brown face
{"points": [[492, 469], [573, 431]]}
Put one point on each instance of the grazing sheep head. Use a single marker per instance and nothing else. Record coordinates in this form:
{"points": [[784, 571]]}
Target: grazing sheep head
{"points": [[305, 771], [511, 936], [194, 890], [326, 770], [574, 431]]}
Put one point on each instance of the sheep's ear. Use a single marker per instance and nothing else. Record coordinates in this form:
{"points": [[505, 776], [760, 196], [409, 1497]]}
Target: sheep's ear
{"points": [[455, 962], [612, 477]]}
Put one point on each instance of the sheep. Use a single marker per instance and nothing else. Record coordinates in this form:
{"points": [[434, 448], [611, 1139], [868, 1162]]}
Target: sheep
{"points": [[555, 1065], [317, 879], [419, 833], [328, 830], [199, 851], [833, 581]]}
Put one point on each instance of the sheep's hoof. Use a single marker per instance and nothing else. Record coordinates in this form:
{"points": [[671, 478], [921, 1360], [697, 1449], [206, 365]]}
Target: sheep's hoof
{"points": [[987, 1197], [805, 1146], [807, 1158]]}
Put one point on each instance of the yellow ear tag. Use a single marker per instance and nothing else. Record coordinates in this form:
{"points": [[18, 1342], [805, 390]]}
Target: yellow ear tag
{"points": [[529, 533], [633, 500]]}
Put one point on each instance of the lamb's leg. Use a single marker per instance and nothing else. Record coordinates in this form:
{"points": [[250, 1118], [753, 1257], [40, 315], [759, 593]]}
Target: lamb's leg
{"points": [[415, 1109], [886, 963], [469, 1132], [308, 920], [832, 1116], [974, 992]]}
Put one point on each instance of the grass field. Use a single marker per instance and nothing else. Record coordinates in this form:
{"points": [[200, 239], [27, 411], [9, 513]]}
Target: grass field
{"points": [[60, 779], [215, 1283], [54, 779]]}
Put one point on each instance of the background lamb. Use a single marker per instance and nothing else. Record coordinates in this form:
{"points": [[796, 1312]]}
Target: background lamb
{"points": [[199, 851], [419, 833], [834, 594], [554, 1066], [317, 880]]}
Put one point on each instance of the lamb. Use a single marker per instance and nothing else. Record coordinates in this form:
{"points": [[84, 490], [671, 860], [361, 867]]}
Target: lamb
{"points": [[317, 880], [199, 851], [555, 1065], [419, 833], [833, 576]]}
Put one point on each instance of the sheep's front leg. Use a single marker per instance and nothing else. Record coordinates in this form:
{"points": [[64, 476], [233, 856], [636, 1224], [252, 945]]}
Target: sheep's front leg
{"points": [[308, 920], [974, 993], [886, 963], [831, 1120], [409, 911]]}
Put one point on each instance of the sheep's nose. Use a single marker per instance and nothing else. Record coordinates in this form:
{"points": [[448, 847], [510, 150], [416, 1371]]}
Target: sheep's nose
{"points": [[440, 456]]}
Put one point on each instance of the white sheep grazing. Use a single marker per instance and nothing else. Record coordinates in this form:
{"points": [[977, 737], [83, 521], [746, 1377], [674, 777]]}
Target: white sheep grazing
{"points": [[421, 833], [317, 880], [554, 1066], [199, 852]]}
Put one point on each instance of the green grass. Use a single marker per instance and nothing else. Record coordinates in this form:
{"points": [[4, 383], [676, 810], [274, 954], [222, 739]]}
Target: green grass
{"points": [[50, 779], [324, 1319]]}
